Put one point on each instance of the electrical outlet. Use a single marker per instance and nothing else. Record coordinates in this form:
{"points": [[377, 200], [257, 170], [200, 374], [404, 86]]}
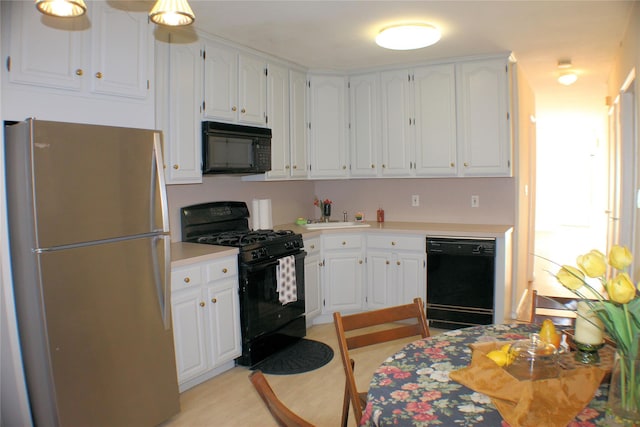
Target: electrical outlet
{"points": [[475, 201], [415, 200]]}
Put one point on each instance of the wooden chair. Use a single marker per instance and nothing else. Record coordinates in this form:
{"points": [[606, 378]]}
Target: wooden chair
{"points": [[561, 310], [283, 415], [362, 338]]}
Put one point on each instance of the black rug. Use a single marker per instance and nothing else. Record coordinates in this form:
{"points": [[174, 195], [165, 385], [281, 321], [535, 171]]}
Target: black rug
{"points": [[303, 356]]}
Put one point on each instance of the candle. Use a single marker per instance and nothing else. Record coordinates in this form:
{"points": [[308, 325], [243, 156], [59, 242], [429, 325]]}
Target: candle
{"points": [[589, 328]]}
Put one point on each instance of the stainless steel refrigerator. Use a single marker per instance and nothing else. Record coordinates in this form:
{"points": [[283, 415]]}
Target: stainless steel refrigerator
{"points": [[89, 238]]}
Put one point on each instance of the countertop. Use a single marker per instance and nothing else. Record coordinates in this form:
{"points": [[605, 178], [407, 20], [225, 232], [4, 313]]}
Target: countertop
{"points": [[188, 253], [426, 228]]}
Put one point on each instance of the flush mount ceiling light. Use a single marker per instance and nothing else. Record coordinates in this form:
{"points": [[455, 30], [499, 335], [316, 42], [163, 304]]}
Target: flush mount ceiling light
{"points": [[408, 36], [567, 77], [172, 13], [62, 8]]}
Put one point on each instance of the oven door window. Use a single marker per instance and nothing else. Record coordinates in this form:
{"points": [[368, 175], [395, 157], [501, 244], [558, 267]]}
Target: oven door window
{"points": [[261, 310]]}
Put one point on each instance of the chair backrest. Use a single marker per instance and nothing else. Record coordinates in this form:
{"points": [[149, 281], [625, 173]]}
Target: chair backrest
{"points": [[283, 415], [354, 322], [561, 310]]}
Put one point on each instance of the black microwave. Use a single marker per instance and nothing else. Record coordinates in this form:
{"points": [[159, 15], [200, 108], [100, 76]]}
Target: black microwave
{"points": [[229, 148]]}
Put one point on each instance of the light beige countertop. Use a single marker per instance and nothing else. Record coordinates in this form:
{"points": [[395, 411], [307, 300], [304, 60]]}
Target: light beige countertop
{"points": [[188, 253], [426, 228]]}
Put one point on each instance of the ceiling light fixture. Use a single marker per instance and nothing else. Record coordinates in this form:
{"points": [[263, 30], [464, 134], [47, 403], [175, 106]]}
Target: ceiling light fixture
{"points": [[408, 36], [62, 8], [567, 77], [172, 13]]}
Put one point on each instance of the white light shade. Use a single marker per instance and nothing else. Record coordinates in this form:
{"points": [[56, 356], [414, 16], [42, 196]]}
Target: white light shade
{"points": [[63, 8], [567, 79], [407, 37], [172, 13]]}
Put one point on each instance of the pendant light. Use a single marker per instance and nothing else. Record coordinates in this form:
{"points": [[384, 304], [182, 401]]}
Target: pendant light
{"points": [[172, 13], [62, 8], [408, 36]]}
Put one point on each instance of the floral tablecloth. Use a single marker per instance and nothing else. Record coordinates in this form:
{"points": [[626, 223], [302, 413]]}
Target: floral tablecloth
{"points": [[413, 388]]}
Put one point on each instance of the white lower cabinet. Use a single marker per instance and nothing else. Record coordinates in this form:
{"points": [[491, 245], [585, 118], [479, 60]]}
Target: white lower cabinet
{"points": [[343, 273], [312, 264], [396, 269], [206, 319]]}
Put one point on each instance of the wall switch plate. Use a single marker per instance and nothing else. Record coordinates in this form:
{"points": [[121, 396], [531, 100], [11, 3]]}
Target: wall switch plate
{"points": [[415, 200], [475, 201]]}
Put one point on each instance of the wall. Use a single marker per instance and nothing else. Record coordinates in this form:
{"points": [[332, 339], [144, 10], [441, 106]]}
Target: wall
{"points": [[441, 200]]}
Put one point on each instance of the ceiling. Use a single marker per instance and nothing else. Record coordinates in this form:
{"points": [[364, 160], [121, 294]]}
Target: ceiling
{"points": [[338, 35]]}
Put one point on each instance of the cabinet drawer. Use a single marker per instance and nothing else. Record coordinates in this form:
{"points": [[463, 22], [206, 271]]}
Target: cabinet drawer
{"points": [[221, 269], [312, 246], [342, 241], [186, 277], [397, 242]]}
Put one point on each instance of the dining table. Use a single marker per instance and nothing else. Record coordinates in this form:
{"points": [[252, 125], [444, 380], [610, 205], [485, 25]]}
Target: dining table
{"points": [[413, 388]]}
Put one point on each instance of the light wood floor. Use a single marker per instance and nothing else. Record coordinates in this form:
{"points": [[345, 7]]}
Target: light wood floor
{"points": [[230, 400]]}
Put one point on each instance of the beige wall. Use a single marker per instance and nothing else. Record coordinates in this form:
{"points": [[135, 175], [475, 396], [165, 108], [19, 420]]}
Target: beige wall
{"points": [[441, 200]]}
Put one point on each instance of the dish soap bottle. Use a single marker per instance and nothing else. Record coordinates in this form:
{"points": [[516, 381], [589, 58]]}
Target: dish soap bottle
{"points": [[380, 214]]}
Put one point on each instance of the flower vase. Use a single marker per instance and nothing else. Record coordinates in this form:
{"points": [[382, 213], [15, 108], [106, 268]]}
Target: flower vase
{"points": [[624, 390], [326, 211]]}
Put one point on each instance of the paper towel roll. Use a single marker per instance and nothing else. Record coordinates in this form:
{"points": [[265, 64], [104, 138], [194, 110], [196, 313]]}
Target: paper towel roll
{"points": [[266, 222], [255, 214]]}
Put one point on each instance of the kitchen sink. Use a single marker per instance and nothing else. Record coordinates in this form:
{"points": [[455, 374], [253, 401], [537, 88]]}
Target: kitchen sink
{"points": [[334, 224]]}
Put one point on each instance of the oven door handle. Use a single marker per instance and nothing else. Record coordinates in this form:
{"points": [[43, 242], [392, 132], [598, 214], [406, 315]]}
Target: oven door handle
{"points": [[271, 262]]}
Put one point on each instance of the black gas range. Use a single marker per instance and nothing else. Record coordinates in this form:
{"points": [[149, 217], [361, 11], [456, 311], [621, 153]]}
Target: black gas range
{"points": [[268, 323]]}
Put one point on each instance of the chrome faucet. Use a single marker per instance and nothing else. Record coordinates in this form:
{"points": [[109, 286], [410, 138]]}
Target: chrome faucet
{"points": [[344, 214]]}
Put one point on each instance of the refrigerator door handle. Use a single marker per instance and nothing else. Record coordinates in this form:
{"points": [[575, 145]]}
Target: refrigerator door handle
{"points": [[160, 182], [162, 278]]}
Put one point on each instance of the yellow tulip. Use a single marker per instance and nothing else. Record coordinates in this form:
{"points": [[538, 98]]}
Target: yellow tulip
{"points": [[621, 289], [570, 277], [593, 263], [620, 257]]}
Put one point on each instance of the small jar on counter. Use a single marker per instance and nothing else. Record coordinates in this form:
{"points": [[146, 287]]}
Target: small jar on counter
{"points": [[380, 215]]}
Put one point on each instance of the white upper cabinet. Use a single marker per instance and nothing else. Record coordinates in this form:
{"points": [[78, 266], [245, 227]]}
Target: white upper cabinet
{"points": [[484, 125], [327, 128], [397, 129], [235, 85], [435, 120], [364, 125], [99, 65], [298, 123], [278, 120]]}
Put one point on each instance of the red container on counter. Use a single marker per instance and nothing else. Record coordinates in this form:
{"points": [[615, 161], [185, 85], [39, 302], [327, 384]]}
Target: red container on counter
{"points": [[380, 214]]}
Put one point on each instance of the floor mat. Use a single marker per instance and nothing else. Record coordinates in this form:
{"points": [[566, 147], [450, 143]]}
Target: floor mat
{"points": [[303, 356]]}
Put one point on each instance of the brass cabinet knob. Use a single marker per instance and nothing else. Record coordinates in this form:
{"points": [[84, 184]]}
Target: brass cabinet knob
{"points": [[295, 167], [344, 243], [312, 246], [201, 303], [373, 166], [393, 243], [398, 262], [286, 167], [466, 164], [384, 166], [176, 167], [360, 262], [214, 300], [79, 72], [224, 270], [233, 108], [187, 280], [452, 164], [243, 111], [387, 262], [344, 167], [98, 75]]}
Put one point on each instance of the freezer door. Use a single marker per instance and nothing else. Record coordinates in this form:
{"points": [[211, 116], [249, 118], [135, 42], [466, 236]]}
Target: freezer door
{"points": [[93, 182], [112, 359]]}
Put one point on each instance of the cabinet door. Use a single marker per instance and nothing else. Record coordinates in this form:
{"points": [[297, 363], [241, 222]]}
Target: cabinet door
{"points": [[252, 90], [411, 277], [121, 52], [45, 51], [435, 127], [364, 122], [223, 320], [184, 145], [484, 133], [379, 284], [328, 127], [298, 123], [397, 138], [188, 311], [220, 82], [278, 121], [343, 281], [312, 297]]}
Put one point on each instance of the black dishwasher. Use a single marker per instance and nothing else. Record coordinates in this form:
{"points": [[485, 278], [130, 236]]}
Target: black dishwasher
{"points": [[460, 282]]}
